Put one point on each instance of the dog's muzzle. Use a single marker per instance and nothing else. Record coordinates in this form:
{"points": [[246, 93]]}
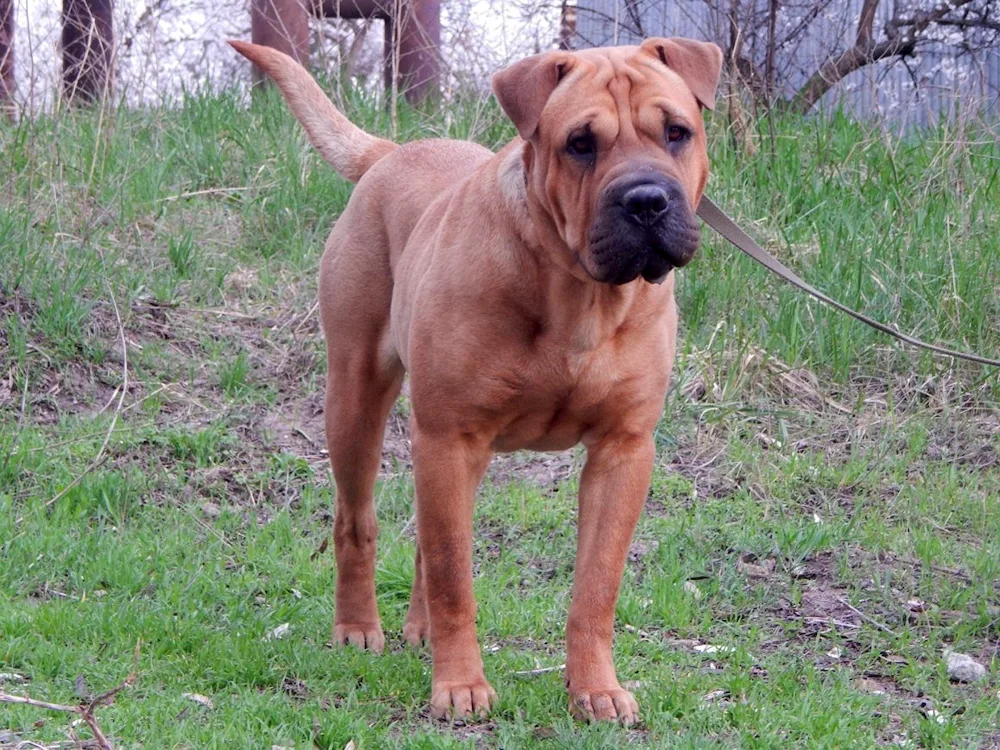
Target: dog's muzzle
{"points": [[644, 227]]}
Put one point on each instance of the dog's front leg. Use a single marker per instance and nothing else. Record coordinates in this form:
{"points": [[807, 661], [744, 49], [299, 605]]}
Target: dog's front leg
{"points": [[613, 488], [447, 469]]}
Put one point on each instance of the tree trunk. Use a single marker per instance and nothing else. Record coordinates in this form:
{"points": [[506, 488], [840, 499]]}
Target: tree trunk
{"points": [[282, 25], [87, 44], [7, 56], [419, 49], [769, 70]]}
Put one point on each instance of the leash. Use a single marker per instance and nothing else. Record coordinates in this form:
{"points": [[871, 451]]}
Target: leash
{"points": [[716, 218]]}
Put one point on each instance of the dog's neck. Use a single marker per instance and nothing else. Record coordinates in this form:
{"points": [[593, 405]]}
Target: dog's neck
{"points": [[581, 312], [513, 182]]}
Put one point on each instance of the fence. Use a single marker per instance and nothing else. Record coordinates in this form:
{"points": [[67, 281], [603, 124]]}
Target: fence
{"points": [[949, 75]]}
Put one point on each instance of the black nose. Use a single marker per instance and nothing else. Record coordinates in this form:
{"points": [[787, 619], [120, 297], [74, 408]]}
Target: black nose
{"points": [[645, 203]]}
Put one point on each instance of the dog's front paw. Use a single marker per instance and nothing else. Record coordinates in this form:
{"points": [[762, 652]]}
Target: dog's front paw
{"points": [[366, 636], [611, 704], [462, 700]]}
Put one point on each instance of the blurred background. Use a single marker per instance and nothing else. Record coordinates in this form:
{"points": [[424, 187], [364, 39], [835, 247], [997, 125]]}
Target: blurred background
{"points": [[902, 62]]}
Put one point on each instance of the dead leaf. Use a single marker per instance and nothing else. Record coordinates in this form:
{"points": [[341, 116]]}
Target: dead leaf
{"points": [[683, 642], [12, 677], [321, 549], [295, 687], [834, 653], [6, 388], [704, 648], [869, 686], [203, 700], [637, 631], [278, 633], [748, 566], [937, 716], [692, 588], [715, 695], [242, 279], [642, 548], [80, 687]]}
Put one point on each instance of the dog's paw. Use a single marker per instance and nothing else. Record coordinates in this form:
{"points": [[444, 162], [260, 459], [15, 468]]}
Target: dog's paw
{"points": [[613, 704], [366, 636], [462, 700], [416, 633]]}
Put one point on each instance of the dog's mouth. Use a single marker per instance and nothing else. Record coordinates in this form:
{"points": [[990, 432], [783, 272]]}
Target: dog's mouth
{"points": [[644, 228]]}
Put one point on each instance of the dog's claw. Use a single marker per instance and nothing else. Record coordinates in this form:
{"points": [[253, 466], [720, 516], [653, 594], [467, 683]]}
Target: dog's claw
{"points": [[367, 637], [613, 704], [454, 700]]}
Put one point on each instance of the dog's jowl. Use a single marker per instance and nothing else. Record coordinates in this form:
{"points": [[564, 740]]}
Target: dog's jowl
{"points": [[529, 295]]}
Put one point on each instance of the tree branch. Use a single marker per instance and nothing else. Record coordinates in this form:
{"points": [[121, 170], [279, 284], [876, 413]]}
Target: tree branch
{"points": [[970, 23], [84, 710], [866, 22], [902, 34]]}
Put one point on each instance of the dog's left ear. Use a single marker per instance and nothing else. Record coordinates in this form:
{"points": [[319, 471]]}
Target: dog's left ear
{"points": [[523, 88], [698, 63]]}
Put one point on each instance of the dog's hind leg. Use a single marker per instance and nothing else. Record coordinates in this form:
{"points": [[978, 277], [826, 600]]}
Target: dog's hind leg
{"points": [[416, 629], [363, 380], [357, 405]]}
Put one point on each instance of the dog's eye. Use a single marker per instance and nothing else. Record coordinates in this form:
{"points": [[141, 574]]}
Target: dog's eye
{"points": [[582, 146], [677, 133]]}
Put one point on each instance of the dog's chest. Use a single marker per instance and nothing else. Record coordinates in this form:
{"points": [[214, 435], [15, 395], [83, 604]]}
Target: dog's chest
{"points": [[553, 397]]}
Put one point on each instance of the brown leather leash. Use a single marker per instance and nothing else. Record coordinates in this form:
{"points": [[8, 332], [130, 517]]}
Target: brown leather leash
{"points": [[716, 218]]}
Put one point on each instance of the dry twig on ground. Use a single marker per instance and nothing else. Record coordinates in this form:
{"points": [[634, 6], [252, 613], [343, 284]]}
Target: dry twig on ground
{"points": [[86, 709]]}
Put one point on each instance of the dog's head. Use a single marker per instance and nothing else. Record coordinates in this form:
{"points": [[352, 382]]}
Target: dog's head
{"points": [[614, 151]]}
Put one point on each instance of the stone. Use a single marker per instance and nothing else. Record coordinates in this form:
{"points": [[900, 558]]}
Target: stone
{"points": [[963, 668]]}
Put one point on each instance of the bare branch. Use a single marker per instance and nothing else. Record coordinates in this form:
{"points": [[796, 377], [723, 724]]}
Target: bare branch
{"points": [[903, 34], [84, 710], [866, 22], [970, 23]]}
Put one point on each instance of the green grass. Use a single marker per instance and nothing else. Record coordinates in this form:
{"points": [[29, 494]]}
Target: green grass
{"points": [[804, 461]]}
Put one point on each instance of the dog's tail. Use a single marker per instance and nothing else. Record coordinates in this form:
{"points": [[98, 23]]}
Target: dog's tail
{"points": [[349, 149]]}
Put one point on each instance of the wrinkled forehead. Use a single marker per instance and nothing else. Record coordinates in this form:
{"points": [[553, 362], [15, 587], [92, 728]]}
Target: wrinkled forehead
{"points": [[619, 81]]}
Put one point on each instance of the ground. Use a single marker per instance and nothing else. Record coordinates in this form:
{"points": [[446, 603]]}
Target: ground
{"points": [[823, 522]]}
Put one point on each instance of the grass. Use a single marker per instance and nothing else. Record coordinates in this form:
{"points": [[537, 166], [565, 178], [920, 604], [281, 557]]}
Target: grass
{"points": [[808, 469]]}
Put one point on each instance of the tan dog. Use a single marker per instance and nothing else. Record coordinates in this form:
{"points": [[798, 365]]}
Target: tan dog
{"points": [[528, 293]]}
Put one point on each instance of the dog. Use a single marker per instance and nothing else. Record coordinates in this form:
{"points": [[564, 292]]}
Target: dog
{"points": [[529, 295]]}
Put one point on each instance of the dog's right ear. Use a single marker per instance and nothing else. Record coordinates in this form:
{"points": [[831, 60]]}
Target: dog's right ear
{"points": [[523, 88]]}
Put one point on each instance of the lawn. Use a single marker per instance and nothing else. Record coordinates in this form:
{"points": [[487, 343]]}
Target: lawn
{"points": [[824, 521]]}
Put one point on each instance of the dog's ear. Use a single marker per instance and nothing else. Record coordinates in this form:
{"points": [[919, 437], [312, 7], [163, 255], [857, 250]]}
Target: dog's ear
{"points": [[523, 88], [697, 63]]}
